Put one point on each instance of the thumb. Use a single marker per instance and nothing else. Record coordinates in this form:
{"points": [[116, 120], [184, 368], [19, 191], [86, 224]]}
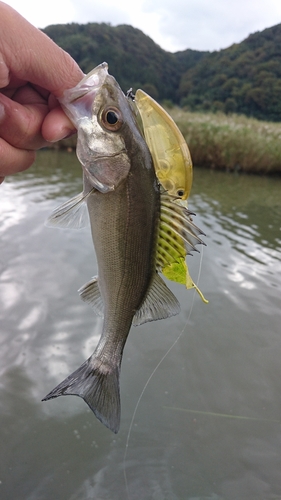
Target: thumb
{"points": [[33, 56]]}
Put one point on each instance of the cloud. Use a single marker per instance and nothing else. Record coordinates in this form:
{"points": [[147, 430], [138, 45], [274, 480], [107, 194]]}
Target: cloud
{"points": [[205, 25], [51, 12], [173, 24], [107, 11]]}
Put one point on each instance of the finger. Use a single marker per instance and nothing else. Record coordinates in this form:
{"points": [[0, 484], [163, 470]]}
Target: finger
{"points": [[20, 125], [31, 55], [14, 160], [28, 94], [57, 126]]}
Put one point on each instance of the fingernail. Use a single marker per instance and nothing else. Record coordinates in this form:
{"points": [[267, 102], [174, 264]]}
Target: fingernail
{"points": [[2, 112], [64, 135]]}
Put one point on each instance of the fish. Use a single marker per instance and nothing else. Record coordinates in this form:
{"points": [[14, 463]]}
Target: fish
{"points": [[123, 198], [170, 153]]}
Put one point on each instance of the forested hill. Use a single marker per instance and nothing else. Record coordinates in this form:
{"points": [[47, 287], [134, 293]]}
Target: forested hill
{"points": [[244, 78], [133, 58]]}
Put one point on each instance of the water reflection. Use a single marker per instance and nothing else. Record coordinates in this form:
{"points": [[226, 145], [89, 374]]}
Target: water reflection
{"points": [[226, 362], [243, 204]]}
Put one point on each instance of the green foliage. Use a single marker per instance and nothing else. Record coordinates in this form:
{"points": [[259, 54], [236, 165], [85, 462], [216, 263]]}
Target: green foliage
{"points": [[245, 78]]}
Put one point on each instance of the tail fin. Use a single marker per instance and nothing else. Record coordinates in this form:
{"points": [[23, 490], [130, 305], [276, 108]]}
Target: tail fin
{"points": [[98, 386]]}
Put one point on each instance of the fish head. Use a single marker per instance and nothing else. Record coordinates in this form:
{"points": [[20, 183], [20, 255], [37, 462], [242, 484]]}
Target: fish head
{"points": [[105, 123]]}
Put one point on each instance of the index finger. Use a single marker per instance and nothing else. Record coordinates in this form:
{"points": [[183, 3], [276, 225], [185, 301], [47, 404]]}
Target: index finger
{"points": [[33, 56]]}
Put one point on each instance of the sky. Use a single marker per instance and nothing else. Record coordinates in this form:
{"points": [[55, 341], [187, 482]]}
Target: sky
{"points": [[172, 24]]}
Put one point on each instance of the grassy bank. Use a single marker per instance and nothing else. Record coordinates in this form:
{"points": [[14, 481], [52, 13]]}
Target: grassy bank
{"points": [[228, 142], [231, 142]]}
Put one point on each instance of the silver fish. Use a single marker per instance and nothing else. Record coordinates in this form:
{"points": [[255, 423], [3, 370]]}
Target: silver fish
{"points": [[123, 199]]}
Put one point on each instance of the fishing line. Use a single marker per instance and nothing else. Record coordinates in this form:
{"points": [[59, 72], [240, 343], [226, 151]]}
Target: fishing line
{"points": [[153, 373]]}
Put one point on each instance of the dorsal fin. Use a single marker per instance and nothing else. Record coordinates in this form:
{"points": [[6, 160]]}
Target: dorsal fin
{"points": [[177, 237]]}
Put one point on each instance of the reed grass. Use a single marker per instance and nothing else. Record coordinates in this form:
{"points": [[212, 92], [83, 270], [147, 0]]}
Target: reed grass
{"points": [[226, 142], [231, 142]]}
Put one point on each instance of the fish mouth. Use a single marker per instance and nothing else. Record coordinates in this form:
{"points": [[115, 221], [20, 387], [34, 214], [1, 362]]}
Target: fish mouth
{"points": [[92, 81], [77, 102]]}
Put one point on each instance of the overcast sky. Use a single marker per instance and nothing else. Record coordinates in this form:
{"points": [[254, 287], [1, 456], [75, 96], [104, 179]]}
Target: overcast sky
{"points": [[173, 24]]}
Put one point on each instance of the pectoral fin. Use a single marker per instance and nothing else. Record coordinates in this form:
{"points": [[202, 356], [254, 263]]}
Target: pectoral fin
{"points": [[160, 303], [71, 214]]}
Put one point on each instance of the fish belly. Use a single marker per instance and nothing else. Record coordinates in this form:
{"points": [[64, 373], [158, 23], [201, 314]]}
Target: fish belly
{"points": [[124, 232]]}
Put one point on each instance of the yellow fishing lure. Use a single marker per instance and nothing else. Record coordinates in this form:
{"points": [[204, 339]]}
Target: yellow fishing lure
{"points": [[173, 168], [171, 157]]}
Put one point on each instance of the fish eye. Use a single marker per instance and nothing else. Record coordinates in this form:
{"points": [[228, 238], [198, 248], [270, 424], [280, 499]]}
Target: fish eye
{"points": [[180, 192], [111, 119]]}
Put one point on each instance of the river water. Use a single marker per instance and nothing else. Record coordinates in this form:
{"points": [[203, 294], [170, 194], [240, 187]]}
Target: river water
{"points": [[208, 423]]}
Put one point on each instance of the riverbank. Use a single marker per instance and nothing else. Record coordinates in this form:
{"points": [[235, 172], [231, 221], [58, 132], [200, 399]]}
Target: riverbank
{"points": [[231, 142], [225, 142]]}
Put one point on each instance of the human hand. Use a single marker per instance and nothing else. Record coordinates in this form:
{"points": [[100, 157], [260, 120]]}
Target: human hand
{"points": [[33, 72]]}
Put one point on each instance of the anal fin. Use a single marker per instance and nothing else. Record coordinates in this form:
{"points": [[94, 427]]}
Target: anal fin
{"points": [[160, 303]]}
